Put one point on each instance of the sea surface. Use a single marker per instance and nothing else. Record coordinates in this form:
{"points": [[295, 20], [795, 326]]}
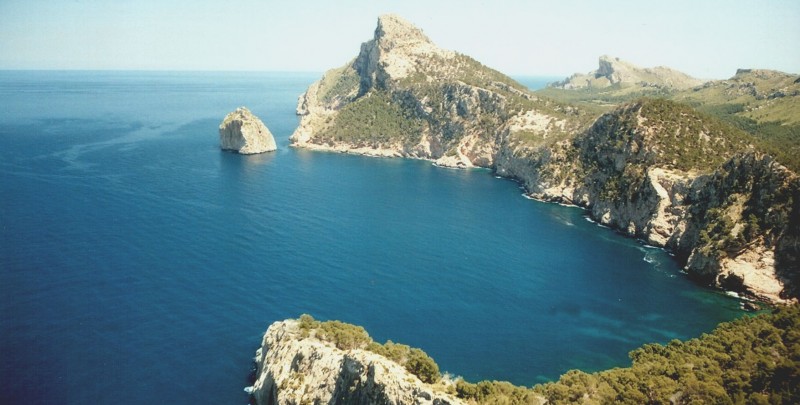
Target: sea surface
{"points": [[141, 264]]}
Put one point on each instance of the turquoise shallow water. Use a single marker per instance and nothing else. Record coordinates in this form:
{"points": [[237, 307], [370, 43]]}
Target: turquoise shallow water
{"points": [[140, 264]]}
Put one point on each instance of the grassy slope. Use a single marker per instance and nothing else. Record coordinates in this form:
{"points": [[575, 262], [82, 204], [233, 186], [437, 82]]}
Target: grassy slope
{"points": [[391, 115], [746, 102]]}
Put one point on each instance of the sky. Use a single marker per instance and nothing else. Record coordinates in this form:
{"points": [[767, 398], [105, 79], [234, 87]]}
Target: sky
{"points": [[707, 39]]}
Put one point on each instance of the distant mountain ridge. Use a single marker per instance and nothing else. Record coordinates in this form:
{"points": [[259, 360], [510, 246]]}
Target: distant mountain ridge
{"points": [[613, 71], [764, 103]]}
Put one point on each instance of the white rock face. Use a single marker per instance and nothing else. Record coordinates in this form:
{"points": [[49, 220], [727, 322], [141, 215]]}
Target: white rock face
{"points": [[243, 132], [293, 369]]}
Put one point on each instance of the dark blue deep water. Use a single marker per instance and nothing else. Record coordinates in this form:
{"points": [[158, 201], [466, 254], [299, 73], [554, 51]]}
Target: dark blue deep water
{"points": [[140, 264]]}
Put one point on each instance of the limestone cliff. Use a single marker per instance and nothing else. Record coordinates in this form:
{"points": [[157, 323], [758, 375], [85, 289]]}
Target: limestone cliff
{"points": [[404, 96], [295, 365], [742, 231], [243, 132], [613, 71]]}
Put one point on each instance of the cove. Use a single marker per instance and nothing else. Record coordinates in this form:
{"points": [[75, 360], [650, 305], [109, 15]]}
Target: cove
{"points": [[138, 262]]}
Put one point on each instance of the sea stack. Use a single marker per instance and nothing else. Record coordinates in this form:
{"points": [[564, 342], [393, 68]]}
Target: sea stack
{"points": [[244, 133]]}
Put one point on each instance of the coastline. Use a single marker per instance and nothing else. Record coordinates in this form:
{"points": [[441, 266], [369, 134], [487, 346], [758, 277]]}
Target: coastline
{"points": [[743, 296]]}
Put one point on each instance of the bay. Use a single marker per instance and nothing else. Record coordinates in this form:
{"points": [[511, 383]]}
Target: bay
{"points": [[141, 264]]}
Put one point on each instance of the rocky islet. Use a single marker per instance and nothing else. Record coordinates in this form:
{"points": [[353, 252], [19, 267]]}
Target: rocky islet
{"points": [[244, 133]]}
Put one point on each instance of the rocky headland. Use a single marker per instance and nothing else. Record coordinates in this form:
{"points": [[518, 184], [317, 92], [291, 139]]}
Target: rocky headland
{"points": [[403, 96], [244, 133], [653, 169], [304, 361], [749, 360]]}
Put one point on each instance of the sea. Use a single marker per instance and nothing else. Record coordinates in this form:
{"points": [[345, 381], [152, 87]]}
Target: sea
{"points": [[139, 263]]}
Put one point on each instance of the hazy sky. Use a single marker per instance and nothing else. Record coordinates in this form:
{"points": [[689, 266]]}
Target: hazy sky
{"points": [[707, 39]]}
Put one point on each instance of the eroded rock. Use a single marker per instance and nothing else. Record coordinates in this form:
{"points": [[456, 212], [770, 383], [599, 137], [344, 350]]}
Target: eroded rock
{"points": [[244, 133]]}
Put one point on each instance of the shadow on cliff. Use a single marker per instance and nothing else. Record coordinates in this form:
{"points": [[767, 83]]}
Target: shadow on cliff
{"points": [[787, 252], [351, 389]]}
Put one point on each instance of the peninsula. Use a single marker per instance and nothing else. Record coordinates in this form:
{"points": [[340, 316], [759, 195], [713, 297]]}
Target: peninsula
{"points": [[653, 169]]}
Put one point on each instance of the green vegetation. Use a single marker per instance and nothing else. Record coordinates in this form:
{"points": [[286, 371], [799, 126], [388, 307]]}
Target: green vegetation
{"points": [[690, 140], [373, 120], [653, 132], [750, 360], [414, 360], [340, 84], [780, 140], [753, 360], [617, 152], [746, 202], [346, 336], [760, 102], [496, 392], [603, 99]]}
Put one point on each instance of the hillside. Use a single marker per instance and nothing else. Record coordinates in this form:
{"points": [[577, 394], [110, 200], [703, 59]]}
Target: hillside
{"points": [[763, 103], [403, 96], [664, 173], [750, 360]]}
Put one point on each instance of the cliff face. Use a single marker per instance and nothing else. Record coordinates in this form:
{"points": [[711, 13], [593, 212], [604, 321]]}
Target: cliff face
{"points": [[645, 168], [296, 367], [648, 170], [613, 71], [742, 231]]}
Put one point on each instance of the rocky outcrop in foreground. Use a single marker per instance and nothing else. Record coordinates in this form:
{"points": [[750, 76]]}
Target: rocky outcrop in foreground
{"points": [[243, 132], [296, 365]]}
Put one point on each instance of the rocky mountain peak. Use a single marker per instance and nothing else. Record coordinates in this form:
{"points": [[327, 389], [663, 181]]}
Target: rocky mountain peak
{"points": [[397, 50], [394, 30]]}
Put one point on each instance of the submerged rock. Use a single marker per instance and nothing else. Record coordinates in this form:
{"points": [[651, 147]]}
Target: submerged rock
{"points": [[243, 132]]}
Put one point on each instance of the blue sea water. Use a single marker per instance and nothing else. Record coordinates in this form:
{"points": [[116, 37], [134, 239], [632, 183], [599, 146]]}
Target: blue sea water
{"points": [[141, 264], [537, 82]]}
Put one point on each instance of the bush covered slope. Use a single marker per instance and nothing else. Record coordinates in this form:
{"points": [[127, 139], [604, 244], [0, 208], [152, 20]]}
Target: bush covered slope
{"points": [[753, 360]]}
